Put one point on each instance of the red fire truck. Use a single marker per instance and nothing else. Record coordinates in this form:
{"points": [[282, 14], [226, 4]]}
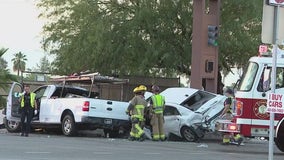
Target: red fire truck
{"points": [[252, 92]]}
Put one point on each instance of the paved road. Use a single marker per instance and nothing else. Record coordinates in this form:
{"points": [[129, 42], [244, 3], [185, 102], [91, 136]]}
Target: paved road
{"points": [[54, 147]]}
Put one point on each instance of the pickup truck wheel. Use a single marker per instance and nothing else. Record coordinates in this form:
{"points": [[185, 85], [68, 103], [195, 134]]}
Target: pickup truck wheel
{"points": [[12, 126], [188, 134], [68, 125]]}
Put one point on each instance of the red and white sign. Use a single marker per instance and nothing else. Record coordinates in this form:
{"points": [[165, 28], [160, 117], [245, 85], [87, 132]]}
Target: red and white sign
{"points": [[276, 2], [262, 49], [275, 103]]}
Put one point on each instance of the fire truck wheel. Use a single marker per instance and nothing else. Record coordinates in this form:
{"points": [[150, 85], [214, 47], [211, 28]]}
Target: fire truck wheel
{"points": [[279, 142], [188, 134]]}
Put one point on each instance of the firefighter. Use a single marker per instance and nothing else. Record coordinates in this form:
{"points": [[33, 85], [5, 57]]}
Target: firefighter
{"points": [[228, 105], [157, 106], [227, 112], [228, 115], [136, 111], [28, 105]]}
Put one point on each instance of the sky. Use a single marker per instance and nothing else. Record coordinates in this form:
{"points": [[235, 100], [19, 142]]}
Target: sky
{"points": [[20, 30]]}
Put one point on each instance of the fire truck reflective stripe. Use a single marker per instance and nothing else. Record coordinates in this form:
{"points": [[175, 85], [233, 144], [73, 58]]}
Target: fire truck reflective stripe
{"points": [[254, 122]]}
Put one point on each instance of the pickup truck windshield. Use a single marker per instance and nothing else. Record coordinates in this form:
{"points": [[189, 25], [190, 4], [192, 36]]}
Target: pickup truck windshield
{"points": [[248, 77]]}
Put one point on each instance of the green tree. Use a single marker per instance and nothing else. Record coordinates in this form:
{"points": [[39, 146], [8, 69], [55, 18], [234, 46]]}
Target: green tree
{"points": [[5, 76], [44, 65], [41, 69], [19, 62], [240, 32], [141, 37], [119, 37]]}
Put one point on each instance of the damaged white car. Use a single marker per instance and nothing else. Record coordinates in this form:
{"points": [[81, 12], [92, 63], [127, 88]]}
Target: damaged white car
{"points": [[190, 113]]}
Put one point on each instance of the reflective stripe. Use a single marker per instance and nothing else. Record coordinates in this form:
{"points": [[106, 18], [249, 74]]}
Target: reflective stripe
{"points": [[158, 103], [238, 136], [156, 137], [32, 97], [140, 130], [139, 114], [139, 133], [162, 136], [226, 140], [139, 108], [258, 122], [133, 134], [139, 117]]}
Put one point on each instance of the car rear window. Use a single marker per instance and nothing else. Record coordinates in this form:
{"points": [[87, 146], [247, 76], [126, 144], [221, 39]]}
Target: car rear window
{"points": [[195, 101]]}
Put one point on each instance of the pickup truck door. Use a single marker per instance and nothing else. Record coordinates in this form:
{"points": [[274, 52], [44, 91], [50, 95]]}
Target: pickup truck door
{"points": [[41, 96], [13, 102]]}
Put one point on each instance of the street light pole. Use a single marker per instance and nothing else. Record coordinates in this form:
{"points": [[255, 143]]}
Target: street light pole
{"points": [[273, 79]]}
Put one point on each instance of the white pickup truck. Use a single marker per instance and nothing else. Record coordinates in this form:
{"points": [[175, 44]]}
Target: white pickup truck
{"points": [[68, 108]]}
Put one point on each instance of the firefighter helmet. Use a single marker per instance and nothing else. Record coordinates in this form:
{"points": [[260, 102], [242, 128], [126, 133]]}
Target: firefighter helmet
{"points": [[135, 89], [140, 88]]}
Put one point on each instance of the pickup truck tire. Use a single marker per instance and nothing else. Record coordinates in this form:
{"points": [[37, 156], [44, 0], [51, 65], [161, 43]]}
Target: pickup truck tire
{"points": [[68, 125], [188, 134], [12, 126]]}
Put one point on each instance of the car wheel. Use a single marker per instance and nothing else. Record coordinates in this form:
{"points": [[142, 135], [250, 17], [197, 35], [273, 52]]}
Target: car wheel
{"points": [[188, 134], [68, 125], [12, 126]]}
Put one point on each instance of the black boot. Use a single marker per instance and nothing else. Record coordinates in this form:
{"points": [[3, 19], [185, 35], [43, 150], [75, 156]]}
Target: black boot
{"points": [[142, 137], [131, 138]]}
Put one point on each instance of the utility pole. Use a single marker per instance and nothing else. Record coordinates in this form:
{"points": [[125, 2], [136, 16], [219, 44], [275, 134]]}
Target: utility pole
{"points": [[204, 63]]}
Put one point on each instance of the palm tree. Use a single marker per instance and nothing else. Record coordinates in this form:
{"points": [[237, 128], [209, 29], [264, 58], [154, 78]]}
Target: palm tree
{"points": [[19, 62]]}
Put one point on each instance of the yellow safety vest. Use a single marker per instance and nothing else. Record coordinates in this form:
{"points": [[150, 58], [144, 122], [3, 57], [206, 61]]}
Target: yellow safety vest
{"points": [[158, 103], [32, 96]]}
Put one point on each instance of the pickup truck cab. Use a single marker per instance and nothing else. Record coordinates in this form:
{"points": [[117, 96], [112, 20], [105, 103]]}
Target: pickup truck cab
{"points": [[69, 108]]}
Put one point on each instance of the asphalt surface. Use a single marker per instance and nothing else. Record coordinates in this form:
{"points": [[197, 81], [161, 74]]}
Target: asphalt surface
{"points": [[41, 146]]}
